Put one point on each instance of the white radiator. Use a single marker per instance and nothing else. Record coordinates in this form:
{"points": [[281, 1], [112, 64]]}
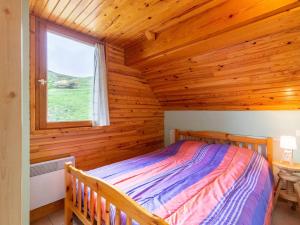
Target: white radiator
{"points": [[47, 182]]}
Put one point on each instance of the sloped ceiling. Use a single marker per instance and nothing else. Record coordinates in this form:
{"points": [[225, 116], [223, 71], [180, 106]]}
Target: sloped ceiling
{"points": [[233, 22], [241, 55], [204, 54], [262, 74], [119, 22]]}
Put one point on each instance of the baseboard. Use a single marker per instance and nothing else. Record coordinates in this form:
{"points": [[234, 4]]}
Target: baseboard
{"points": [[45, 210]]}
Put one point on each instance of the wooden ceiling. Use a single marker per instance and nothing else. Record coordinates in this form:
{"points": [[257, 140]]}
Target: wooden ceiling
{"points": [[262, 74], [119, 22], [232, 22], [157, 31], [198, 54]]}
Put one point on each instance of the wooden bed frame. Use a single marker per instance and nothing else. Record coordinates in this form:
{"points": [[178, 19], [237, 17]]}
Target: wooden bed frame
{"points": [[90, 211]]}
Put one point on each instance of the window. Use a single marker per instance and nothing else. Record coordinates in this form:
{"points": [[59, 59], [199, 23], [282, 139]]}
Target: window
{"points": [[64, 77], [70, 67]]}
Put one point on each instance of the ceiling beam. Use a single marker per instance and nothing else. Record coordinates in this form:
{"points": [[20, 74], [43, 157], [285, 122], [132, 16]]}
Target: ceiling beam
{"points": [[213, 29], [150, 35]]}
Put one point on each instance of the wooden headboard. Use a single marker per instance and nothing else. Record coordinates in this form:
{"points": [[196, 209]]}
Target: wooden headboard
{"points": [[212, 137]]}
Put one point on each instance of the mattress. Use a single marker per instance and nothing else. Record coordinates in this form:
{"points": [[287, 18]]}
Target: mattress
{"points": [[191, 182]]}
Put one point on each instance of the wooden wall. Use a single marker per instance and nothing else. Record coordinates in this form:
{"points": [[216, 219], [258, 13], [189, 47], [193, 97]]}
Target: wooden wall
{"points": [[136, 121], [259, 74], [222, 58]]}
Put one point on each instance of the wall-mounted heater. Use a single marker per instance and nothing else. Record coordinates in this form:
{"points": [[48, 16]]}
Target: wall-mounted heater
{"points": [[47, 182]]}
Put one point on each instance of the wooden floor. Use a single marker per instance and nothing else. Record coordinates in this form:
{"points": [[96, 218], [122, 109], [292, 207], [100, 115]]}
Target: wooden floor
{"points": [[284, 215], [281, 215], [56, 218]]}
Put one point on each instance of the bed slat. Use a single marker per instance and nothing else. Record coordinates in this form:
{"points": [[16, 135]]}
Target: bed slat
{"points": [[255, 147], [118, 217], [74, 191], [107, 212], [85, 202], [92, 206], [99, 208], [79, 204], [128, 221]]}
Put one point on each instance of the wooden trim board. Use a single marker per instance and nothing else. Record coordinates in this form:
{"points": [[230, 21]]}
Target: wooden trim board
{"points": [[43, 211], [11, 124]]}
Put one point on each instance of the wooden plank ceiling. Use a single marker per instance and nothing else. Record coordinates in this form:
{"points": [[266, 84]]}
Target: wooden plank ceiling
{"points": [[211, 30], [155, 31], [119, 22], [262, 74], [198, 54]]}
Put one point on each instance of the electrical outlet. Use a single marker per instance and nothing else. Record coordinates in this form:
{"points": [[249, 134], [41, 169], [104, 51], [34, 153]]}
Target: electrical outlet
{"points": [[298, 133]]}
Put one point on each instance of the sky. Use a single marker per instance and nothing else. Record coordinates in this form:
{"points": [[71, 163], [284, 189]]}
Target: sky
{"points": [[69, 57]]}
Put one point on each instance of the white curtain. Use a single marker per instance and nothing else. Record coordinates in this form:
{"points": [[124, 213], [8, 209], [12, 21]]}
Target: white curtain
{"points": [[100, 96]]}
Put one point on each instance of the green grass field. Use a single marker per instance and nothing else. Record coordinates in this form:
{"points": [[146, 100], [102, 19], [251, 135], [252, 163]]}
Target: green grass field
{"points": [[69, 103]]}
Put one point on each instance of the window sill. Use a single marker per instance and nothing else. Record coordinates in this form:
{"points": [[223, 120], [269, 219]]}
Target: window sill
{"points": [[71, 124]]}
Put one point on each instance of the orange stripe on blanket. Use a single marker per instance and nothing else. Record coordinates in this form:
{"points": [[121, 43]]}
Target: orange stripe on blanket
{"points": [[195, 203]]}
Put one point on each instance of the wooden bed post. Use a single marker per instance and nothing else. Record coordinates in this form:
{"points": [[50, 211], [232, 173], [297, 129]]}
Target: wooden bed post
{"points": [[68, 185], [176, 134], [270, 151]]}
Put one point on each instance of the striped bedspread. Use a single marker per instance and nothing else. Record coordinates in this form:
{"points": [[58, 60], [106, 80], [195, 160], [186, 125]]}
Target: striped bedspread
{"points": [[191, 183]]}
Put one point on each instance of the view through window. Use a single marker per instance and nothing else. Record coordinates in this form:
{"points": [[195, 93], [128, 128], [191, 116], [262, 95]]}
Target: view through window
{"points": [[70, 66]]}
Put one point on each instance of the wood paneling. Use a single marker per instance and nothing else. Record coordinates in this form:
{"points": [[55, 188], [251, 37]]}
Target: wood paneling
{"points": [[46, 210], [10, 113], [213, 54], [120, 22], [136, 121], [260, 74], [230, 23]]}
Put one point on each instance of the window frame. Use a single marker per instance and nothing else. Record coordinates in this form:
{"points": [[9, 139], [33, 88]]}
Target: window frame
{"points": [[41, 110]]}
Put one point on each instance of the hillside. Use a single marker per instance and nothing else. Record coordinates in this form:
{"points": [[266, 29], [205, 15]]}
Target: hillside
{"points": [[54, 77], [69, 102]]}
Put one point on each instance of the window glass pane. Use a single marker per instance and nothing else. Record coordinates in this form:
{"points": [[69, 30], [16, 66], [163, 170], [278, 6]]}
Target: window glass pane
{"points": [[70, 67]]}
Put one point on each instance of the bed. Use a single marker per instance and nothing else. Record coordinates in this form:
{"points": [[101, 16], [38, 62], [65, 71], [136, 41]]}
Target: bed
{"points": [[203, 178]]}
